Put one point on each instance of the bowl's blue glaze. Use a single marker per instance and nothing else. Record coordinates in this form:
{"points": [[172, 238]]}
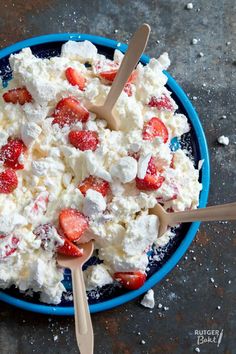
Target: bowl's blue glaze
{"points": [[46, 41]]}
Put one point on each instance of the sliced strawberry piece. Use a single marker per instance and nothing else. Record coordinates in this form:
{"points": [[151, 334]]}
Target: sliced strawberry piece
{"points": [[172, 162], [131, 280], [162, 103], [11, 152], [94, 183], [8, 181], [133, 77], [69, 111], [69, 249], [128, 89], [111, 74], [149, 182], [84, 139], [8, 245], [75, 78], [17, 95], [155, 128], [108, 75], [152, 170], [73, 223]]}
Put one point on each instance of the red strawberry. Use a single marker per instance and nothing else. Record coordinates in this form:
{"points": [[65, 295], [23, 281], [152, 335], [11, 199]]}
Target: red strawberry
{"points": [[155, 128], [128, 89], [8, 181], [132, 77], [94, 183], [8, 245], [131, 280], [73, 223], [11, 152], [172, 162], [108, 75], [69, 249], [111, 74], [149, 182], [75, 78], [152, 170], [162, 103], [84, 139], [17, 95], [69, 111]]}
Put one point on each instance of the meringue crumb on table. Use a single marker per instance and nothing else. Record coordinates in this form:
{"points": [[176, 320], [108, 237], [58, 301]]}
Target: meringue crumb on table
{"points": [[61, 166], [223, 140], [148, 299]]}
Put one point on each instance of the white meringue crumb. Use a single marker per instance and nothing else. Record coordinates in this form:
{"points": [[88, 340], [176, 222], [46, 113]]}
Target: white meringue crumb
{"points": [[143, 165], [94, 203], [125, 170], [223, 140], [194, 41], [189, 6], [148, 299]]}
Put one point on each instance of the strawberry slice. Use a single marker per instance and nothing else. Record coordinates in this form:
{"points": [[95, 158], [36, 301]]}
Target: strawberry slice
{"points": [[8, 245], [69, 249], [162, 103], [94, 183], [111, 74], [152, 170], [84, 139], [172, 165], [128, 89], [11, 152], [152, 180], [73, 223], [155, 128], [69, 111], [8, 181], [108, 75], [149, 182], [17, 95], [75, 78], [131, 280]]}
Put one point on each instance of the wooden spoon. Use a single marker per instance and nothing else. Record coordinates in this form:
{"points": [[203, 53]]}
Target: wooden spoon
{"points": [[83, 324], [136, 47], [213, 213]]}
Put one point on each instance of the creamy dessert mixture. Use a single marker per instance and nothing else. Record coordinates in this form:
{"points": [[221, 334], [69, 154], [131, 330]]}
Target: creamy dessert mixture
{"points": [[65, 177]]}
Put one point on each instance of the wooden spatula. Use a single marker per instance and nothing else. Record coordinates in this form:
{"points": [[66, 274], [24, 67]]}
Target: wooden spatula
{"points": [[83, 324], [136, 48]]}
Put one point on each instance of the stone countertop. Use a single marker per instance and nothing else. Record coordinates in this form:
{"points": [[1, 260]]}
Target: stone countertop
{"points": [[200, 292]]}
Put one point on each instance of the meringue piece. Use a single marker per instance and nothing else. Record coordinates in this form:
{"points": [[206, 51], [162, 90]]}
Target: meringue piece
{"points": [[97, 276], [94, 167], [140, 233], [94, 203], [143, 165], [148, 299], [84, 51], [30, 132], [223, 140], [125, 170]]}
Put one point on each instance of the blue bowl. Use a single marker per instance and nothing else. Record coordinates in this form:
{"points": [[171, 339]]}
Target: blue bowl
{"points": [[195, 141]]}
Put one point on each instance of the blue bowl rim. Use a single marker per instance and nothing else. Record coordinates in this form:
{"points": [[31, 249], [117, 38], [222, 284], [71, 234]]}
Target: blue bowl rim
{"points": [[180, 251]]}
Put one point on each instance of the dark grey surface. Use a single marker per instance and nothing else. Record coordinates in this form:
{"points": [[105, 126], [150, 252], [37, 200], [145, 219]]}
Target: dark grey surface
{"points": [[190, 295]]}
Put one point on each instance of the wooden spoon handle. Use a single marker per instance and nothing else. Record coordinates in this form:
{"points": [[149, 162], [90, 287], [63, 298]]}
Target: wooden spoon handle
{"points": [[213, 213], [83, 323], [135, 49]]}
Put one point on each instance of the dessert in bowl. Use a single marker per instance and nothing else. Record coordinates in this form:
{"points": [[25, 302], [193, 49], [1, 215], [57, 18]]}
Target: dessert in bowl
{"points": [[72, 179]]}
